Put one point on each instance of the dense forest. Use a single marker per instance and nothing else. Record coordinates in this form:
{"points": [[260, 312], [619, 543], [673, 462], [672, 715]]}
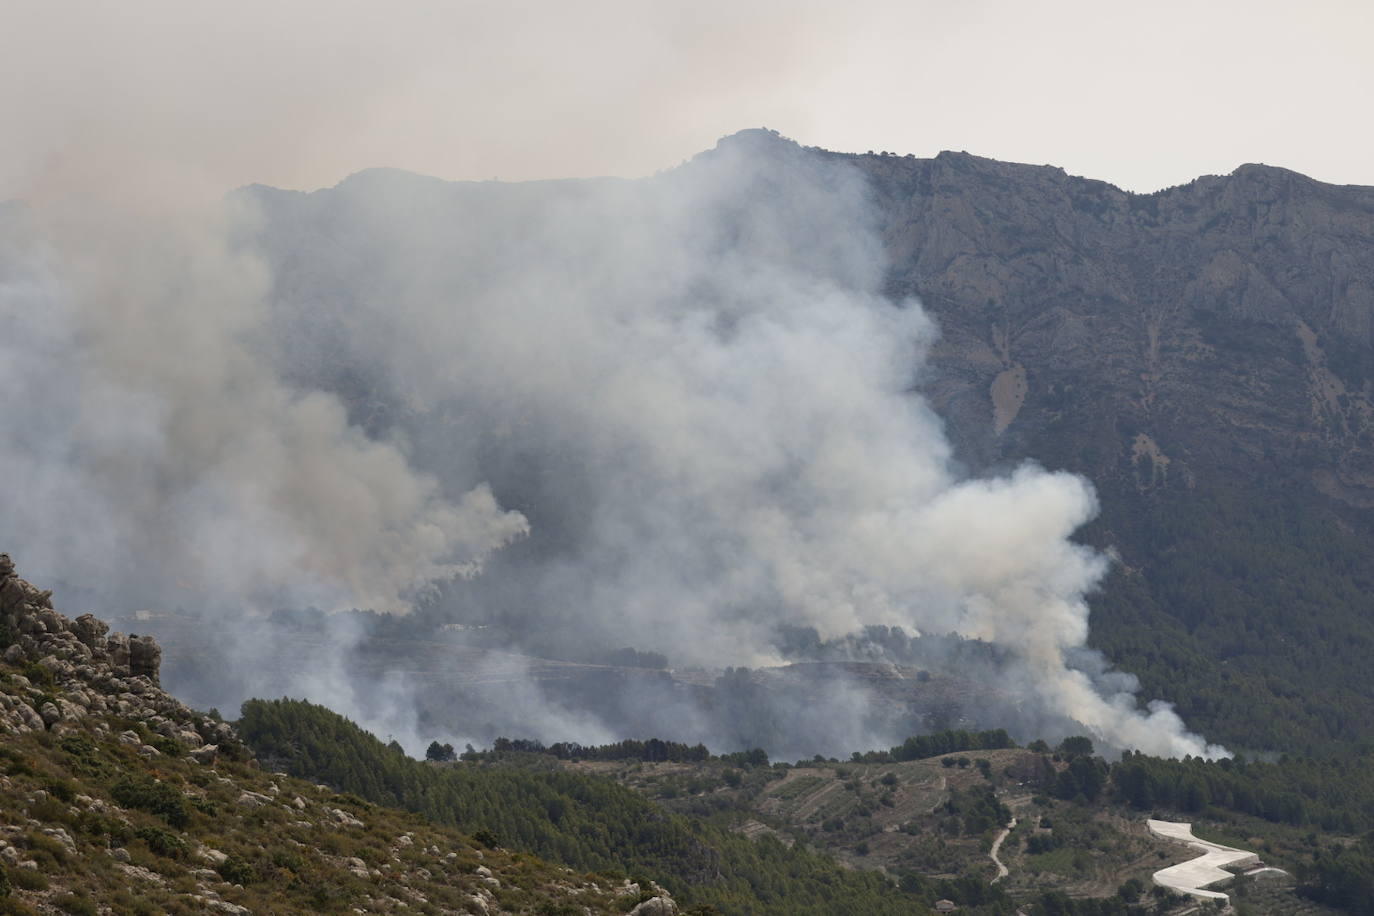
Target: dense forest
{"points": [[1252, 616], [655, 749], [1343, 878], [1334, 795]]}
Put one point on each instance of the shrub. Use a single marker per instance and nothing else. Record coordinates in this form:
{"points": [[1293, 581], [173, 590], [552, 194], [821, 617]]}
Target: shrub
{"points": [[237, 871], [76, 905], [288, 858], [85, 758], [557, 908], [167, 745], [28, 879], [47, 848], [60, 789], [161, 842], [51, 811], [93, 824], [155, 797], [16, 763]]}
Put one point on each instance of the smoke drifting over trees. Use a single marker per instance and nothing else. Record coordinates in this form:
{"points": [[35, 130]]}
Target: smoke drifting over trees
{"points": [[675, 413]]}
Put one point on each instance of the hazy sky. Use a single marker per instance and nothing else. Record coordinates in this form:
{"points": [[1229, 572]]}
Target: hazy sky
{"points": [[300, 94]]}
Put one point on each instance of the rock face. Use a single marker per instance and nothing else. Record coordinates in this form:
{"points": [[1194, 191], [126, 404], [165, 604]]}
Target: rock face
{"points": [[97, 672], [1221, 327], [1205, 355]]}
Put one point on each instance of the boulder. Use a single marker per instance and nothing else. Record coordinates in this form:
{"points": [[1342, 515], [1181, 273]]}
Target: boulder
{"points": [[662, 905], [205, 754], [145, 657], [91, 631]]}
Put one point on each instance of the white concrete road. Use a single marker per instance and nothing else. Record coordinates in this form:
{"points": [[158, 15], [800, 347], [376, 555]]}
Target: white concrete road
{"points": [[1194, 876]]}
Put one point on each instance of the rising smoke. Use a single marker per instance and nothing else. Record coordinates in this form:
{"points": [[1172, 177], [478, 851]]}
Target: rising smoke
{"points": [[674, 413]]}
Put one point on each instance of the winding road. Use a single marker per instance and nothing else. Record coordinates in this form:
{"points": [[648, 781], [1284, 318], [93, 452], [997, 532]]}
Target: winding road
{"points": [[1193, 876], [997, 845]]}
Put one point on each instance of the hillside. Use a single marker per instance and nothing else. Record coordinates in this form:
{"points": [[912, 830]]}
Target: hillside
{"points": [[707, 497], [1079, 831], [116, 798], [765, 832], [1202, 354], [592, 822], [1205, 355]]}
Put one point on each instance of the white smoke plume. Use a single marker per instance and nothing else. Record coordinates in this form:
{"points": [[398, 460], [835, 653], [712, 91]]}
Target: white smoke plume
{"points": [[691, 386], [154, 455]]}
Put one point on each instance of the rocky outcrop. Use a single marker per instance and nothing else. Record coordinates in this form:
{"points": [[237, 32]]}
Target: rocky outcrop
{"points": [[1229, 321], [78, 668], [185, 821], [662, 905]]}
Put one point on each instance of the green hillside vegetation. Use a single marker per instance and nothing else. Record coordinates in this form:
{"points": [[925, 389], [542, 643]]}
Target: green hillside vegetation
{"points": [[1254, 616], [655, 750], [1335, 795], [591, 823], [1343, 877], [770, 838], [93, 823], [922, 818], [1080, 829]]}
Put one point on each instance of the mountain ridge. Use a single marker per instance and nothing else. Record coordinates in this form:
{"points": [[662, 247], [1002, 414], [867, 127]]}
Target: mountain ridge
{"points": [[1204, 354]]}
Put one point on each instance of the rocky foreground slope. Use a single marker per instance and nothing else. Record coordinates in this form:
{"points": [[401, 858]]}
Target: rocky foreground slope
{"points": [[117, 798]]}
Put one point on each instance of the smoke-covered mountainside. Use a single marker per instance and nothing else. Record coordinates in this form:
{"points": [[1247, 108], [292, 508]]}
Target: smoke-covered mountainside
{"points": [[1204, 355], [780, 446]]}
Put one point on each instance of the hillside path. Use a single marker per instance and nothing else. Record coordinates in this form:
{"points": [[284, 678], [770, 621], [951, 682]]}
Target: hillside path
{"points": [[997, 845]]}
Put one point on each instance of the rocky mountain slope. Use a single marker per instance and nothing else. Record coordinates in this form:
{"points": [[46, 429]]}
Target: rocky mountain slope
{"points": [[1205, 355], [116, 798], [1219, 329]]}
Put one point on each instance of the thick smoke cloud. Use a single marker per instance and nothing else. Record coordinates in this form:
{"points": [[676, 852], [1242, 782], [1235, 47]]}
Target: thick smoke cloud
{"points": [[688, 390], [155, 456]]}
